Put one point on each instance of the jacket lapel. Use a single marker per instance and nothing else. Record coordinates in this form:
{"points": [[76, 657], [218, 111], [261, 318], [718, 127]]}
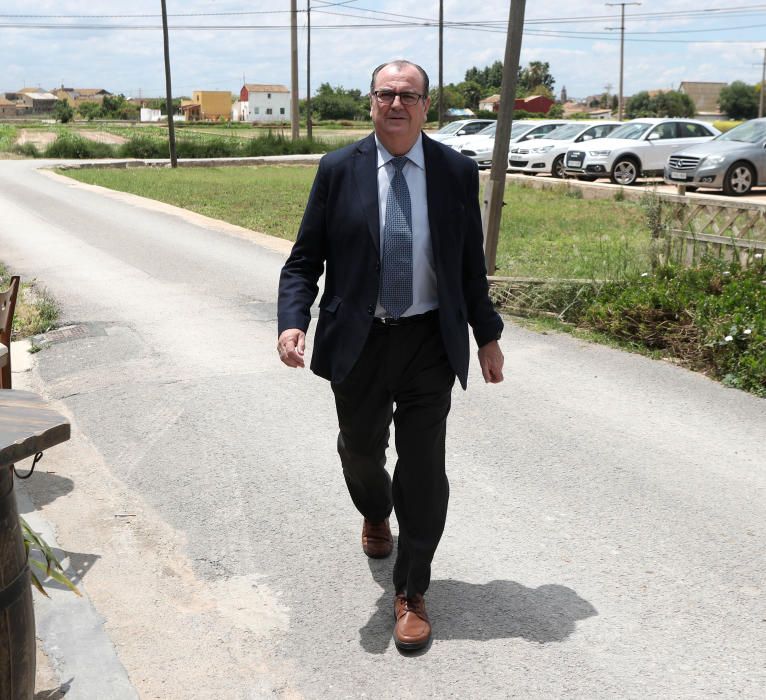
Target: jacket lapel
{"points": [[366, 172]]}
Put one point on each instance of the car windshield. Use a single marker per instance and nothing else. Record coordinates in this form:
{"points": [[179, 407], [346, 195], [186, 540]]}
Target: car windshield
{"points": [[519, 128], [567, 131], [450, 128], [749, 132], [634, 130], [488, 130]]}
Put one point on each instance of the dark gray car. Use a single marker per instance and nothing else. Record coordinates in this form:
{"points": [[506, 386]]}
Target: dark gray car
{"points": [[733, 162]]}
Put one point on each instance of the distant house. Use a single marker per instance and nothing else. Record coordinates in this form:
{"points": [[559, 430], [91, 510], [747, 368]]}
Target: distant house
{"points": [[76, 96], [266, 102], [705, 96], [240, 111], [7, 107], [536, 104], [210, 105], [38, 102], [490, 104]]}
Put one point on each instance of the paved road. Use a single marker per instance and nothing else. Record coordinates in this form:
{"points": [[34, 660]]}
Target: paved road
{"points": [[605, 535]]}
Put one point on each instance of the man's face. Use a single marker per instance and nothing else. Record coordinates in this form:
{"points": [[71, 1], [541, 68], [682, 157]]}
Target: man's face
{"points": [[398, 125]]}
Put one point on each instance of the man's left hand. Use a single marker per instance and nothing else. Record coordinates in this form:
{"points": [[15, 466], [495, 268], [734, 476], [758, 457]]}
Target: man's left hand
{"points": [[491, 362]]}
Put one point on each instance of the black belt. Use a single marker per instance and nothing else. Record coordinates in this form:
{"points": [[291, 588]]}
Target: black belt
{"points": [[406, 320]]}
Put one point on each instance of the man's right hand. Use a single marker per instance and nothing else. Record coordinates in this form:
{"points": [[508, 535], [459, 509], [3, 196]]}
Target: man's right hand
{"points": [[290, 346]]}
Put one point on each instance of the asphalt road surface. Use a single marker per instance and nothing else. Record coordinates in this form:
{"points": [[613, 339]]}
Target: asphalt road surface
{"points": [[606, 531]]}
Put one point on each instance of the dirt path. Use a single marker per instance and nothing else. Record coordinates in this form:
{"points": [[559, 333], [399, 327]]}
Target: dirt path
{"points": [[37, 138], [41, 139], [102, 137]]}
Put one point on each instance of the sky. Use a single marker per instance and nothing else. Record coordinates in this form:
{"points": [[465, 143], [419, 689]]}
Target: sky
{"points": [[117, 45]]}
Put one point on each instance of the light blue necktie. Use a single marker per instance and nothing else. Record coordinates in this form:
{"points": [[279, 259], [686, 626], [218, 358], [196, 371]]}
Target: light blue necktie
{"points": [[396, 277]]}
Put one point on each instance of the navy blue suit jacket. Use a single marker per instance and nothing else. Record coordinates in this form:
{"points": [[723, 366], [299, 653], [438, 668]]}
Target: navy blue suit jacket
{"points": [[340, 235]]}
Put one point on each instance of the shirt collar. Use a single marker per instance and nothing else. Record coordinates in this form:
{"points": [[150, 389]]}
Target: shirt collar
{"points": [[414, 155]]}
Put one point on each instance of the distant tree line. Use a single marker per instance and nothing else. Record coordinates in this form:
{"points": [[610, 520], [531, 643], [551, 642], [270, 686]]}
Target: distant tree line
{"points": [[534, 79], [670, 103]]}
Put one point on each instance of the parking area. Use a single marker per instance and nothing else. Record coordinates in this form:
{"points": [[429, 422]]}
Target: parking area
{"points": [[603, 189]]}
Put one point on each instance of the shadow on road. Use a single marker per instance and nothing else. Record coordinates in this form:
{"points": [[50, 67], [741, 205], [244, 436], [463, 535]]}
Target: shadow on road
{"points": [[481, 611], [45, 487]]}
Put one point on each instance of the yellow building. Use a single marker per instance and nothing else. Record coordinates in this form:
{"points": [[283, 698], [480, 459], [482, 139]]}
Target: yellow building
{"points": [[212, 104]]}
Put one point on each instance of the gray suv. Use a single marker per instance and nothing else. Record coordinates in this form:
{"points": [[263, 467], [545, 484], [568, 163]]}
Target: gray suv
{"points": [[732, 162]]}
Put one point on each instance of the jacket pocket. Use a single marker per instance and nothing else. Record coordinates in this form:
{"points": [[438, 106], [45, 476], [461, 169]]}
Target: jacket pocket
{"points": [[330, 306]]}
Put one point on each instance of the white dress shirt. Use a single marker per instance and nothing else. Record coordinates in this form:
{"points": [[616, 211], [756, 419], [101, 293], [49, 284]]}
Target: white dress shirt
{"points": [[424, 297]]}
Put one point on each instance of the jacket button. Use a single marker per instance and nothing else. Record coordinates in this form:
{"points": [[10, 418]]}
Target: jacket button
{"points": [[371, 309], [377, 267]]}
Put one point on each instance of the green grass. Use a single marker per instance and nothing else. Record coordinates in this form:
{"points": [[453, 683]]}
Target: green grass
{"points": [[548, 234], [544, 234], [269, 199], [8, 135], [36, 310]]}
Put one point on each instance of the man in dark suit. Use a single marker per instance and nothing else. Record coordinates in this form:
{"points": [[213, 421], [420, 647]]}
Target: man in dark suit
{"points": [[395, 219]]}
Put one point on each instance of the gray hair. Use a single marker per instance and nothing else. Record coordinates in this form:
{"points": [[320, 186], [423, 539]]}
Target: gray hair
{"points": [[400, 63]]}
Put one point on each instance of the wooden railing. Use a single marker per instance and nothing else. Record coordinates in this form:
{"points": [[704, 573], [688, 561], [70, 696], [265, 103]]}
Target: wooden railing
{"points": [[696, 227]]}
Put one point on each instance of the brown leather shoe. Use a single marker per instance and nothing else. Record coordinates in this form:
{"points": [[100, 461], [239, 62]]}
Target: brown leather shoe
{"points": [[412, 629], [377, 541]]}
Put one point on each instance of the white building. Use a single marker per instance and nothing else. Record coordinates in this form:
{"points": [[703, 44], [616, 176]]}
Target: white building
{"points": [[240, 111], [266, 103]]}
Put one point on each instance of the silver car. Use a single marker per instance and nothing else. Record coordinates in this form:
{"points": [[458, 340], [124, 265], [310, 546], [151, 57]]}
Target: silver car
{"points": [[733, 162]]}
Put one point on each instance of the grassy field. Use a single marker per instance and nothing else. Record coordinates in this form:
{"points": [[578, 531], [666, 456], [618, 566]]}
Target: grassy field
{"points": [[544, 234]]}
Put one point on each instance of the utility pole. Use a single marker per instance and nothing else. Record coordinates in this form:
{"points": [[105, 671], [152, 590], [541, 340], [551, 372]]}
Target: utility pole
{"points": [[763, 79], [620, 108], [168, 90], [441, 63], [294, 116], [308, 70], [495, 187]]}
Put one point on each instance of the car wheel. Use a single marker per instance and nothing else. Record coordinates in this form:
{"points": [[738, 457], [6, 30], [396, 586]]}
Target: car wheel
{"points": [[557, 169], [624, 172], [738, 180]]}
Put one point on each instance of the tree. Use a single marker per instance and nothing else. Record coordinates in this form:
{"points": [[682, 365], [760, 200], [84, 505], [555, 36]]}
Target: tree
{"points": [[472, 92], [536, 73], [739, 100], [671, 103], [89, 110], [338, 103], [117, 107], [452, 98], [63, 112]]}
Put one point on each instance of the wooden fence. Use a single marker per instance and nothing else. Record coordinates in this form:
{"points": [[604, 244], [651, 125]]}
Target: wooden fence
{"points": [[693, 227]]}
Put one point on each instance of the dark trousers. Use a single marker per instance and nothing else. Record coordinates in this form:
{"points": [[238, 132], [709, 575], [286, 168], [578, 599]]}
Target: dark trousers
{"points": [[403, 366]]}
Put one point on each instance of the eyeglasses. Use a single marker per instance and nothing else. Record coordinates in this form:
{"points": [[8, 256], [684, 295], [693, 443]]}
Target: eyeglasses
{"points": [[387, 97]]}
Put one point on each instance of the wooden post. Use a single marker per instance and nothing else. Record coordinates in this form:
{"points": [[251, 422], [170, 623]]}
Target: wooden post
{"points": [[495, 188], [309, 133], [294, 115], [441, 63], [168, 90]]}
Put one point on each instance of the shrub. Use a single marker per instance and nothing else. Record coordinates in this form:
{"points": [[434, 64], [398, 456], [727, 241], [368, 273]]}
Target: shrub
{"points": [[27, 149], [711, 317], [69, 145], [143, 147]]}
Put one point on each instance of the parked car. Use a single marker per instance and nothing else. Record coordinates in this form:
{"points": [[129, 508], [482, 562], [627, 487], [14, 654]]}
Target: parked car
{"points": [[639, 147], [732, 162], [462, 127], [546, 155], [481, 146]]}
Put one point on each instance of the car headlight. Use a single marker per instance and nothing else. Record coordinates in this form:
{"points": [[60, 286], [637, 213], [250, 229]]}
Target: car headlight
{"points": [[599, 154], [542, 149], [714, 160]]}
